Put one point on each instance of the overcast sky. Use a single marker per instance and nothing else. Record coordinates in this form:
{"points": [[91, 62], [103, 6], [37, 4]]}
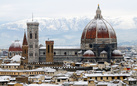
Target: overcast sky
{"points": [[12, 10]]}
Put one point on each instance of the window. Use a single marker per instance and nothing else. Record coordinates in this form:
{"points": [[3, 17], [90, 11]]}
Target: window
{"points": [[30, 35], [107, 77], [43, 53], [36, 35], [90, 45], [95, 78], [31, 46], [101, 78], [58, 80], [118, 77], [48, 48], [112, 77], [65, 53], [75, 53]]}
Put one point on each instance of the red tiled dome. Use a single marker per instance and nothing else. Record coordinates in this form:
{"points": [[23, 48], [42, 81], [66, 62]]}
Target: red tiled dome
{"points": [[15, 46], [98, 28]]}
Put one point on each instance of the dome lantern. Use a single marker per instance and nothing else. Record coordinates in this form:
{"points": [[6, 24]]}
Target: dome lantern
{"points": [[98, 13]]}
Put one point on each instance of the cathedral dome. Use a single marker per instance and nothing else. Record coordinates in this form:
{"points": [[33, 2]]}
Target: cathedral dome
{"points": [[88, 53], [15, 46], [97, 31], [98, 28]]}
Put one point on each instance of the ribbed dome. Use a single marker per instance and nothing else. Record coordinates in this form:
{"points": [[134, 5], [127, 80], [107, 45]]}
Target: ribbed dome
{"points": [[15, 46], [98, 31], [98, 28], [88, 53]]}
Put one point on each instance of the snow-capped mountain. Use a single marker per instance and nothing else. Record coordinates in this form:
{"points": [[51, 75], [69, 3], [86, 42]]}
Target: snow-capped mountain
{"points": [[66, 31]]}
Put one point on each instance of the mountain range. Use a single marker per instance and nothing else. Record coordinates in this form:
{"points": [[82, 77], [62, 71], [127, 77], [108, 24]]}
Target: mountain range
{"points": [[67, 31]]}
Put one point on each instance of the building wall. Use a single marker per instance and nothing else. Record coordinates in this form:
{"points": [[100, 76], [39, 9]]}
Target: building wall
{"points": [[61, 55]]}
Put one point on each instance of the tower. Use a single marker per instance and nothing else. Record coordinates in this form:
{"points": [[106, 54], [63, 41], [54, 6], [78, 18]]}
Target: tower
{"points": [[25, 49], [49, 51], [33, 41]]}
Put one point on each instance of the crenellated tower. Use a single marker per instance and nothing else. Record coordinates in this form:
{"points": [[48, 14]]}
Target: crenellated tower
{"points": [[49, 51]]}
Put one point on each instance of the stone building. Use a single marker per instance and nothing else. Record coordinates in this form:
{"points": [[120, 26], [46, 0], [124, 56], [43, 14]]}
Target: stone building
{"points": [[61, 54]]}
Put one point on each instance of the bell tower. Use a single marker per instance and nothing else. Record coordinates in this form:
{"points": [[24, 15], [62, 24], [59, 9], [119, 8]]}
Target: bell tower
{"points": [[33, 41]]}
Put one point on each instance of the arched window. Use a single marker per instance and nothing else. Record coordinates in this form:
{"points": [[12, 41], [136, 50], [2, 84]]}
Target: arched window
{"points": [[30, 35], [48, 48], [36, 35]]}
